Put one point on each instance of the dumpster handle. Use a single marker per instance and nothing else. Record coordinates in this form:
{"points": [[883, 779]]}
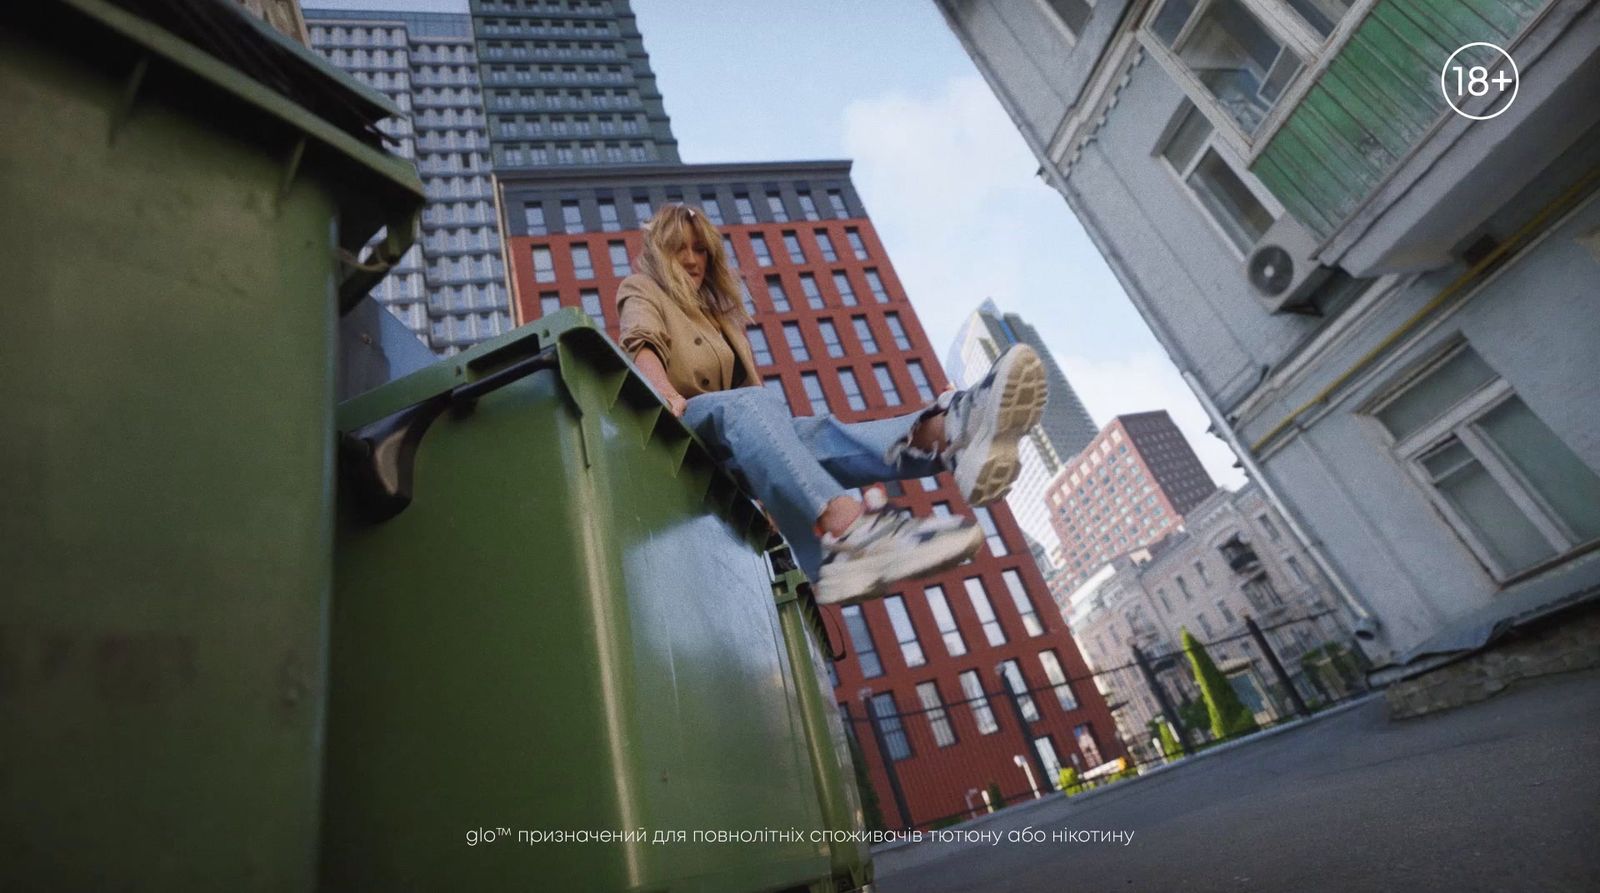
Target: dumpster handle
{"points": [[377, 462]]}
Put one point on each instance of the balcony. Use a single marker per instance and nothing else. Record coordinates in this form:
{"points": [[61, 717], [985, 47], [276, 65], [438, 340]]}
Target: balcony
{"points": [[1239, 555], [1380, 170]]}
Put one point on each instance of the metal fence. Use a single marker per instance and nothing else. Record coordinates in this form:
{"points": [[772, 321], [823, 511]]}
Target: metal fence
{"points": [[945, 762]]}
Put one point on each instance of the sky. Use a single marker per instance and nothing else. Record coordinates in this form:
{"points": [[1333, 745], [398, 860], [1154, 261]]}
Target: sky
{"points": [[951, 187]]}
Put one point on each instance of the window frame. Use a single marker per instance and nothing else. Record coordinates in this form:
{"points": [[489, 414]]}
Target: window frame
{"points": [[1229, 156], [1284, 25], [1458, 421]]}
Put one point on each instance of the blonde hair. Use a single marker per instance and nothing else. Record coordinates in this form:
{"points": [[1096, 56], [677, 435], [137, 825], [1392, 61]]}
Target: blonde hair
{"points": [[719, 293]]}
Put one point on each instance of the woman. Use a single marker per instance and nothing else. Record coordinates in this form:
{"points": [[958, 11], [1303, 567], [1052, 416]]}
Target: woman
{"points": [[684, 325]]}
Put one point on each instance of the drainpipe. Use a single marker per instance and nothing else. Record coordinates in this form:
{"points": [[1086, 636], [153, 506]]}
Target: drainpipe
{"points": [[1364, 624]]}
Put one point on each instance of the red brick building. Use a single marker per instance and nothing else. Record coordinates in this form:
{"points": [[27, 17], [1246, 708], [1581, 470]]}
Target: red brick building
{"points": [[1130, 487], [834, 332]]}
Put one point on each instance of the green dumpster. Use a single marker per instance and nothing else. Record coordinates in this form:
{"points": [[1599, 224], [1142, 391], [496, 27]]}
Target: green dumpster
{"points": [[172, 221], [556, 659], [804, 633]]}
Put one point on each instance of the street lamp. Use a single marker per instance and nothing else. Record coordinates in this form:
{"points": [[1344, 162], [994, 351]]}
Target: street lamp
{"points": [[1022, 763]]}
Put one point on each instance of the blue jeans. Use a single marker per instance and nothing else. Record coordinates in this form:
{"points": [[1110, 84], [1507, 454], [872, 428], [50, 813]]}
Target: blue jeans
{"points": [[796, 466]]}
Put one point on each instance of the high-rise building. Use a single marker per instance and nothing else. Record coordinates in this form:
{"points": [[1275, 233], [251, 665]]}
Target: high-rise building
{"points": [[568, 82], [450, 287], [834, 332], [1130, 487], [1064, 429]]}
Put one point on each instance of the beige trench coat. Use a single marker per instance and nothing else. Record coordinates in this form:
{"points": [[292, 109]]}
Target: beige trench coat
{"points": [[700, 357]]}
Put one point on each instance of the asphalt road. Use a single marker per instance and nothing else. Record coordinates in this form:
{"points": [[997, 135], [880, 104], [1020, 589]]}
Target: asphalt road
{"points": [[1500, 795]]}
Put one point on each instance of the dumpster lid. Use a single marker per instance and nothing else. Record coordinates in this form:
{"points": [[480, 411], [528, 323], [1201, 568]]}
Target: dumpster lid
{"points": [[277, 87], [262, 53], [571, 336]]}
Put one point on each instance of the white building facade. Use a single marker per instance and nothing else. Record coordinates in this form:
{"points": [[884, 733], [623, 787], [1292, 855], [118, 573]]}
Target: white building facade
{"points": [[1386, 306]]}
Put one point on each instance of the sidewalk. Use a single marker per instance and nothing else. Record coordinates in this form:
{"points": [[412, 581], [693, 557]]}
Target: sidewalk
{"points": [[1500, 795]]}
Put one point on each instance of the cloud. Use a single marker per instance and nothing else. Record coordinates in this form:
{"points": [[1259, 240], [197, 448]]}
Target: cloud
{"points": [[953, 193]]}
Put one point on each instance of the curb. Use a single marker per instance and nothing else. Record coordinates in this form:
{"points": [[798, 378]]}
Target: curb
{"points": [[1057, 796]]}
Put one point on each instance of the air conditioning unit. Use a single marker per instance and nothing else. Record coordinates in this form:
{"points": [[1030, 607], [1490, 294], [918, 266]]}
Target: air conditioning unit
{"points": [[1281, 269]]}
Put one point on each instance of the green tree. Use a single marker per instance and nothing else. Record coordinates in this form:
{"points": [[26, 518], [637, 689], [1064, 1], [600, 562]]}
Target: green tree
{"points": [[1169, 742], [1229, 717]]}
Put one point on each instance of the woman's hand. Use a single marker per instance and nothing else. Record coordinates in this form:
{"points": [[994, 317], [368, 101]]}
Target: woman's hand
{"points": [[676, 404]]}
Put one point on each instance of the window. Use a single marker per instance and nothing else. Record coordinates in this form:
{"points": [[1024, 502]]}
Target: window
{"points": [[1046, 749], [796, 342], [1205, 624], [609, 221], [774, 384], [744, 295], [758, 345], [1268, 526], [888, 719], [758, 244], [864, 334], [590, 299], [985, 611], [891, 394], [813, 386], [775, 206], [910, 648], [1087, 744], [1058, 680], [1295, 570], [1166, 604], [780, 300], [953, 643], [861, 639], [982, 716], [897, 331], [1227, 615], [544, 269], [997, 543], [836, 201], [1234, 202], [1019, 598], [841, 284], [853, 236], [808, 284], [1226, 56], [791, 244], [1183, 587], [533, 216], [933, 708], [620, 266], [641, 210], [808, 206], [1200, 570], [747, 211], [1514, 493], [1072, 15], [825, 244], [582, 263], [1018, 688], [852, 390], [920, 379], [713, 208], [729, 253], [830, 338], [571, 217], [549, 302], [876, 285]]}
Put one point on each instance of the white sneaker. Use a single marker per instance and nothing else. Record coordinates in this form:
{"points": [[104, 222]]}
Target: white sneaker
{"points": [[984, 424], [885, 546]]}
